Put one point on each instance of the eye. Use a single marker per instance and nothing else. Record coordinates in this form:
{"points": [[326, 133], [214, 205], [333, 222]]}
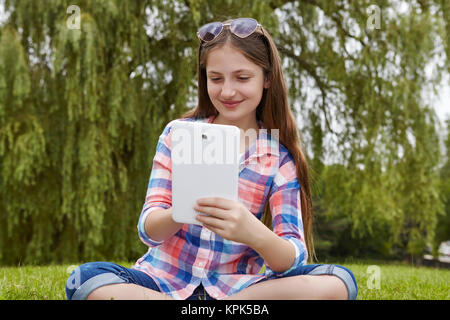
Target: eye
{"points": [[214, 79], [243, 78]]}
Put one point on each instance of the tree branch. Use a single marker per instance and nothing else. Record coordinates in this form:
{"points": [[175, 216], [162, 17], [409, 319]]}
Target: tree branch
{"points": [[323, 87], [337, 18]]}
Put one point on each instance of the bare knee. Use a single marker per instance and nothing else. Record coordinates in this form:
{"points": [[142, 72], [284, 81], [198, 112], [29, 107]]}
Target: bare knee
{"points": [[336, 288], [126, 291], [322, 287], [101, 293]]}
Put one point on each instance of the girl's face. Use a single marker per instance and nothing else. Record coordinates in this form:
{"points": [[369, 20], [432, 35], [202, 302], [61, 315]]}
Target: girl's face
{"points": [[235, 86]]}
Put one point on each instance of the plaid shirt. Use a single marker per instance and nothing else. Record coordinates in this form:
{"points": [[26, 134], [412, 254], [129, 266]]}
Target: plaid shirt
{"points": [[196, 255]]}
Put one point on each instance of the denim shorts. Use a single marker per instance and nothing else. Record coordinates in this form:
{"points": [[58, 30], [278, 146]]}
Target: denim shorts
{"points": [[92, 275]]}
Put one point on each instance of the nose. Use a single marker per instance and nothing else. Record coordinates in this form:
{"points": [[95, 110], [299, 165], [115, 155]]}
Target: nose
{"points": [[228, 90]]}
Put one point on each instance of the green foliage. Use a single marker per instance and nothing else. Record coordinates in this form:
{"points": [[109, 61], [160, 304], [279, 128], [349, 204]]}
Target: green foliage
{"points": [[443, 224], [381, 195], [81, 112]]}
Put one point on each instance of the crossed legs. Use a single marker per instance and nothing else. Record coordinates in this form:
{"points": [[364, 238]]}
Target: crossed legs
{"points": [[304, 287]]}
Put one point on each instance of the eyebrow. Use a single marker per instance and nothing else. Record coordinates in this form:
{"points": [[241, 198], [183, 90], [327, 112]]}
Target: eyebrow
{"points": [[237, 71]]}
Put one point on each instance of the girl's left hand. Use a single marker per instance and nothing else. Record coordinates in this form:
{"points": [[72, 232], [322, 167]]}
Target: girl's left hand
{"points": [[229, 219]]}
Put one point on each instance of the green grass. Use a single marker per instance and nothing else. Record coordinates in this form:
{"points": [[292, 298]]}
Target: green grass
{"points": [[401, 282], [36, 282], [397, 282]]}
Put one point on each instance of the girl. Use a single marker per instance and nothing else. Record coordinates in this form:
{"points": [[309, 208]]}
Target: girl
{"points": [[240, 82]]}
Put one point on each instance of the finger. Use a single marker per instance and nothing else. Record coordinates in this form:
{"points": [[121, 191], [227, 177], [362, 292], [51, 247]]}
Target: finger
{"points": [[212, 211], [210, 221], [214, 229], [216, 202]]}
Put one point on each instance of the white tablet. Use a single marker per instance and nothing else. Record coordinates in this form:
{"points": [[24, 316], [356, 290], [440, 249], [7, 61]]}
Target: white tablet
{"points": [[205, 163]]}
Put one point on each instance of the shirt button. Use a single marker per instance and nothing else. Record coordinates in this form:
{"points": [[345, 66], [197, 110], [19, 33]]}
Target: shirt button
{"points": [[201, 264], [215, 295]]}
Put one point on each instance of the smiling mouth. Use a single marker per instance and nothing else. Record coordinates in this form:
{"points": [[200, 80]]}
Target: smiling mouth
{"points": [[231, 104]]}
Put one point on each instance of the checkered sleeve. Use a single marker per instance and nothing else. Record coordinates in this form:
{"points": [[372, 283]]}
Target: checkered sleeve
{"points": [[159, 190], [286, 210]]}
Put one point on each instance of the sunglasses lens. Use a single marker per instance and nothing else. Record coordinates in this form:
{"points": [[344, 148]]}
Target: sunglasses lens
{"points": [[243, 27], [209, 31]]}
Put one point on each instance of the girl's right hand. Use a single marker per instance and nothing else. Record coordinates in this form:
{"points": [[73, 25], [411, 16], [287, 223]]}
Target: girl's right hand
{"points": [[231, 220]]}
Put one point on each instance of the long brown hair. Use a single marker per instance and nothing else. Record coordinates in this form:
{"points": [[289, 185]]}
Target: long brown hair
{"points": [[273, 110]]}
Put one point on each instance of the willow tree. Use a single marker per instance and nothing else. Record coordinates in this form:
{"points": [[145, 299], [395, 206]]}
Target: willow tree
{"points": [[443, 225], [80, 112], [368, 64], [87, 87]]}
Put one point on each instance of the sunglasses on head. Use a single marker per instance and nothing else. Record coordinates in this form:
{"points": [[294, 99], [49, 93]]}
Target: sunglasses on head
{"points": [[242, 27]]}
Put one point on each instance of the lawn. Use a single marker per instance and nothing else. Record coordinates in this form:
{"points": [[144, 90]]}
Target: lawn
{"points": [[376, 280]]}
